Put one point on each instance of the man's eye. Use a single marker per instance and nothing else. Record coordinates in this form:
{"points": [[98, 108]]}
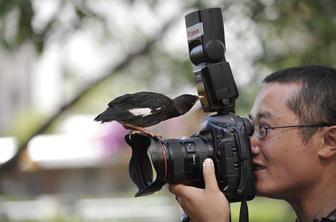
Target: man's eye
{"points": [[263, 125]]}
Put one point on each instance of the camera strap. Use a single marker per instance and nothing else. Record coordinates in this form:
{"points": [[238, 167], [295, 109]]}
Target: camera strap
{"points": [[243, 214]]}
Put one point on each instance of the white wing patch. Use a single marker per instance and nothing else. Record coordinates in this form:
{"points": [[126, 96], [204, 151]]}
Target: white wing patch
{"points": [[141, 112]]}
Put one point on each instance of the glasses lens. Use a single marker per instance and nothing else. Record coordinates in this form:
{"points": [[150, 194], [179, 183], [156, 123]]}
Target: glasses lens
{"points": [[260, 131]]}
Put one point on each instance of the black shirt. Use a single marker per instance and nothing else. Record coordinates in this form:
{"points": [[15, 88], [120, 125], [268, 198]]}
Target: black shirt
{"points": [[330, 218]]}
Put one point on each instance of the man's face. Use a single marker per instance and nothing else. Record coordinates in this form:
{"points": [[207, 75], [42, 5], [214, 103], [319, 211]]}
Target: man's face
{"points": [[285, 165]]}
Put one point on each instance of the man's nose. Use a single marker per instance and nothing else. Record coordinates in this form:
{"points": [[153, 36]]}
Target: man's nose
{"points": [[255, 142]]}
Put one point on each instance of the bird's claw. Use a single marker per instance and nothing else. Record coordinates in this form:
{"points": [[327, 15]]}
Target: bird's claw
{"points": [[132, 132]]}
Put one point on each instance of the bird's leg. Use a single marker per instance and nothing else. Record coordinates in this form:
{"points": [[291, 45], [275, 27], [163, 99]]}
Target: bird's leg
{"points": [[137, 129]]}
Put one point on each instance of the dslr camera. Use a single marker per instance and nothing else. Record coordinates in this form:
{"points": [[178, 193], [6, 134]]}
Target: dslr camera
{"points": [[223, 137]]}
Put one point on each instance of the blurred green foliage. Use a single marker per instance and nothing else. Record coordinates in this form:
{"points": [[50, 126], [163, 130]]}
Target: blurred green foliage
{"points": [[296, 32], [25, 122], [265, 210], [290, 32]]}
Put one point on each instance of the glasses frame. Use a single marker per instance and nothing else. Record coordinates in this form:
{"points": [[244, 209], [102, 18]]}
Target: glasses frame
{"points": [[266, 127]]}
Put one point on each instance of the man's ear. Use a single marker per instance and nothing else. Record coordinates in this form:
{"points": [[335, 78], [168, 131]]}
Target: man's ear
{"points": [[328, 149]]}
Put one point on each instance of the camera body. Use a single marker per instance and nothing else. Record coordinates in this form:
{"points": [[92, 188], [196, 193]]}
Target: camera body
{"points": [[224, 137], [231, 155]]}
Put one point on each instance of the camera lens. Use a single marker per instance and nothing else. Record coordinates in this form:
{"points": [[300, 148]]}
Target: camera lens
{"points": [[155, 163], [186, 157]]}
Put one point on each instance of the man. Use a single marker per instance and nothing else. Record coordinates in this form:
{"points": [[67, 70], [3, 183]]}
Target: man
{"points": [[293, 148]]}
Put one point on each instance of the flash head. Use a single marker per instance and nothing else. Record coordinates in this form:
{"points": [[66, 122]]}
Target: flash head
{"points": [[205, 33], [213, 75]]}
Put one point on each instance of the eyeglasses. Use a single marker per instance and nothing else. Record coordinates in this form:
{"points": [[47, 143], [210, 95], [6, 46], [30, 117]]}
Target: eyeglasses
{"points": [[261, 130]]}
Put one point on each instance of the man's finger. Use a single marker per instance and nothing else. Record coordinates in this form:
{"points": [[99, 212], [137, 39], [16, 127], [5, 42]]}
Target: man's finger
{"points": [[209, 175], [182, 190]]}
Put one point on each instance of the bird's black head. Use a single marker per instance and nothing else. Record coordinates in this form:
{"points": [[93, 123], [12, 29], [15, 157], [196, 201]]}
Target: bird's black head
{"points": [[185, 102]]}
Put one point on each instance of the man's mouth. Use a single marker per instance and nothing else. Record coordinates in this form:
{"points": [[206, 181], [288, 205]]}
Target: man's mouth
{"points": [[257, 166]]}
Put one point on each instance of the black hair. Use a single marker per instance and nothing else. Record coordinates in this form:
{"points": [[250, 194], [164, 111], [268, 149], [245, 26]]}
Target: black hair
{"points": [[315, 101]]}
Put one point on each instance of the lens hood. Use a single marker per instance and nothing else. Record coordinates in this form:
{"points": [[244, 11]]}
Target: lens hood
{"points": [[141, 164]]}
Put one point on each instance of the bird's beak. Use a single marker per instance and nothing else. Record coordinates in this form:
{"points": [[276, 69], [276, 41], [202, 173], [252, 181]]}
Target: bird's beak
{"points": [[200, 97]]}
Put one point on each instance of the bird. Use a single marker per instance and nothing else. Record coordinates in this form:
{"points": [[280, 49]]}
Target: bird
{"points": [[136, 111]]}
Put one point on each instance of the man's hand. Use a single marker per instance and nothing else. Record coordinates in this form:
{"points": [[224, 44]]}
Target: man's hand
{"points": [[203, 205]]}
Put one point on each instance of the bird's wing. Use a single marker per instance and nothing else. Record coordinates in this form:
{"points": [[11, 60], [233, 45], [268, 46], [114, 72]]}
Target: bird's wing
{"points": [[141, 100], [142, 105], [113, 113], [130, 106]]}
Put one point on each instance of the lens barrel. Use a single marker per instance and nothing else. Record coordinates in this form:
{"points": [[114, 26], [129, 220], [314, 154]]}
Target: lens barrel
{"points": [[185, 158], [156, 162]]}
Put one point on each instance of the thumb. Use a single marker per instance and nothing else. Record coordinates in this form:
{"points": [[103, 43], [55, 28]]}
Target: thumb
{"points": [[209, 175]]}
